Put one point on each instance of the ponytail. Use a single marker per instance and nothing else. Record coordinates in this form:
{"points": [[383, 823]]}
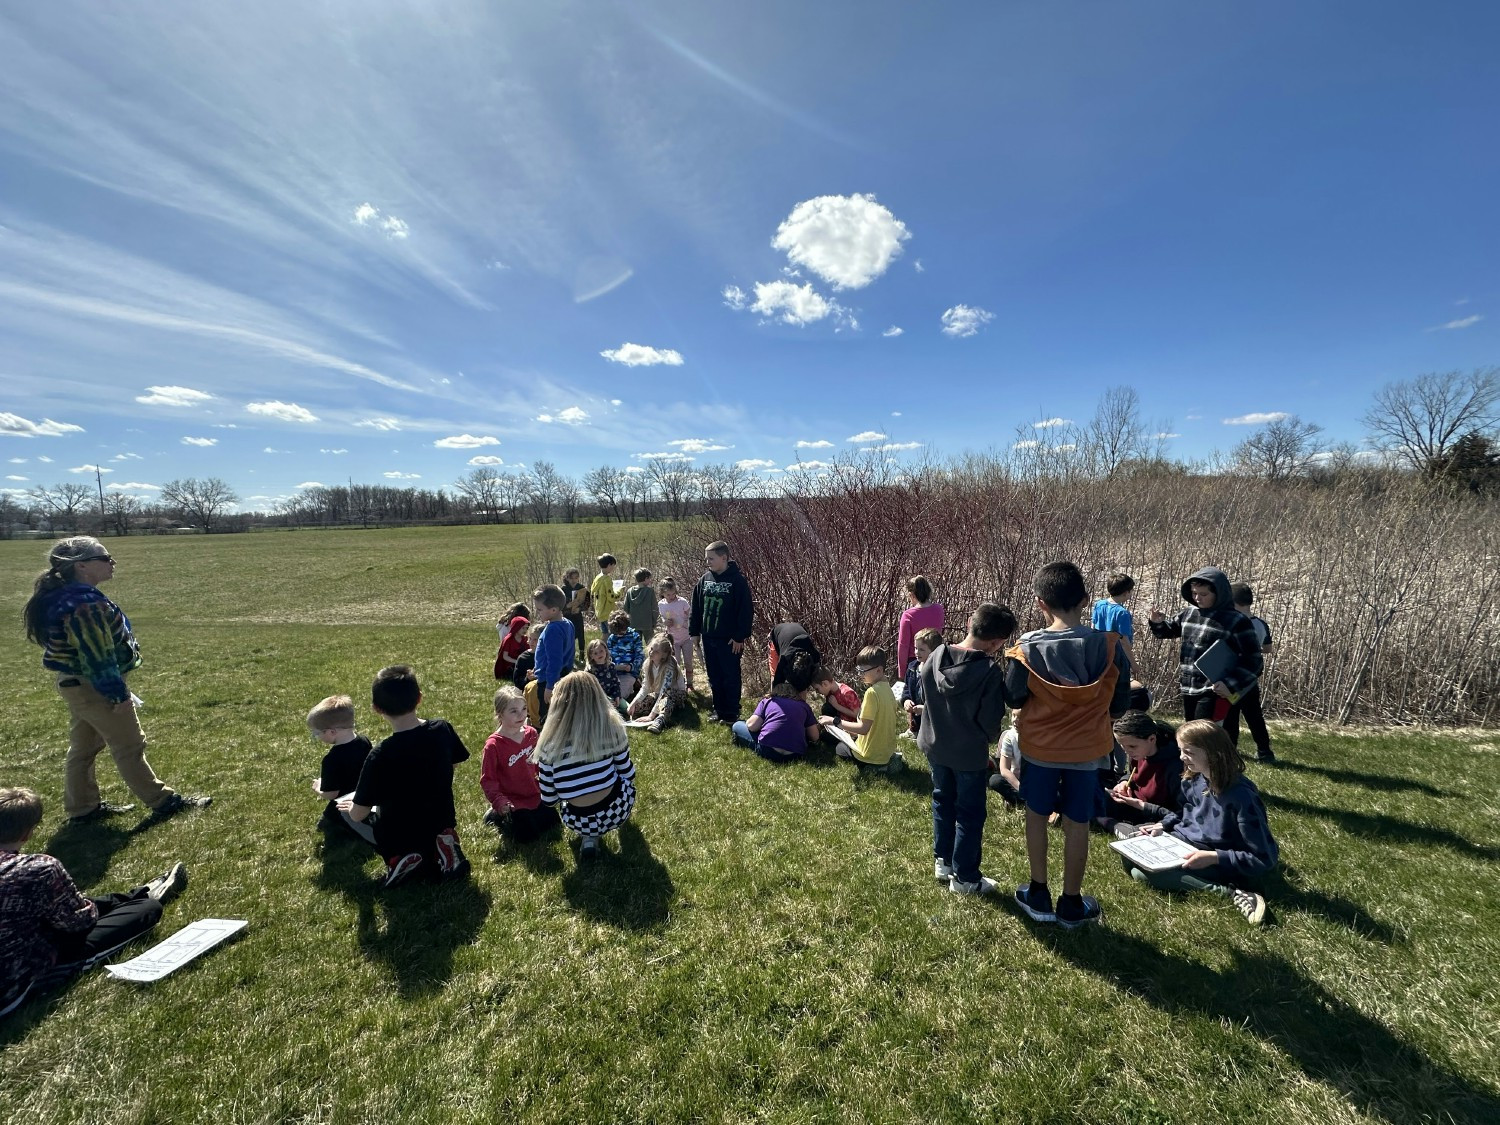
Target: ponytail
{"points": [[61, 559]]}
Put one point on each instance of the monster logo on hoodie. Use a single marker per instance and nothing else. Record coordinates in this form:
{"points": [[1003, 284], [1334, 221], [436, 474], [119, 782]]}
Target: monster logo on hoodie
{"points": [[722, 605]]}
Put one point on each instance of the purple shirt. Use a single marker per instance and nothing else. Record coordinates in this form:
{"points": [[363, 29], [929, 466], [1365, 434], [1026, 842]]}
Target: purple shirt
{"points": [[785, 724], [913, 621]]}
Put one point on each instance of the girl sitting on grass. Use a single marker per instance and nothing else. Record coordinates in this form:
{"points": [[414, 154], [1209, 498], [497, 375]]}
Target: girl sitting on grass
{"points": [[1153, 788], [512, 628], [1222, 818], [583, 761], [783, 725], [603, 669], [661, 685]]}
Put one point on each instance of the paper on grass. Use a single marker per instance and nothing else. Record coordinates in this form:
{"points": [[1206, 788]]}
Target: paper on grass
{"points": [[1154, 853], [191, 941]]}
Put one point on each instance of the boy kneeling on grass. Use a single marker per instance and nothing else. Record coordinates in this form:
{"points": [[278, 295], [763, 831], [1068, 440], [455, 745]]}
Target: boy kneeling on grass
{"points": [[332, 723], [1068, 679], [48, 930], [410, 776], [875, 728]]}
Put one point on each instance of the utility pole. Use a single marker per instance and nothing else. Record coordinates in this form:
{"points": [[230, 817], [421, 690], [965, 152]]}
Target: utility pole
{"points": [[99, 479]]}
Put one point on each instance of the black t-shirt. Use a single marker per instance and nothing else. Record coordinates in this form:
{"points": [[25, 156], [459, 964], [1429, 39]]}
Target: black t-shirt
{"points": [[410, 776], [341, 766], [787, 638]]}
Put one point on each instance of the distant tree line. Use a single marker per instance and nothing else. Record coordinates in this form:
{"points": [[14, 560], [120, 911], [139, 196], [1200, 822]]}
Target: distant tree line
{"points": [[1438, 426]]}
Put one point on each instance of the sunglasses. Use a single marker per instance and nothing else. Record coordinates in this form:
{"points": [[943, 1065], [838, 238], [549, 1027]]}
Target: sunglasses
{"points": [[98, 558]]}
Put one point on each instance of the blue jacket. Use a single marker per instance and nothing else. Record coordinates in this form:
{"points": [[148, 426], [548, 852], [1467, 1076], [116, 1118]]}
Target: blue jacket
{"points": [[1232, 824]]}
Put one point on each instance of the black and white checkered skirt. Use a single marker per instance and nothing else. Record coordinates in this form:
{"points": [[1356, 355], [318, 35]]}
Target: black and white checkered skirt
{"points": [[603, 817]]}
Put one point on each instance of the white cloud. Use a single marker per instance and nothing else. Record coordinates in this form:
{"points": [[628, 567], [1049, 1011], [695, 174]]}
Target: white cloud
{"points": [[365, 213], [486, 459], [867, 436], [895, 413], [963, 320], [1194, 417], [734, 296], [750, 464], [1050, 423], [662, 457], [639, 355], [269, 449], [203, 442], [634, 469], [173, 396], [1165, 436], [225, 425], [90, 469], [17, 478], [698, 445], [807, 466], [1464, 322], [138, 486], [402, 476], [893, 330], [792, 304], [819, 444], [395, 227], [16, 426], [127, 457], [385, 425], [18, 460], [44, 459], [847, 240], [571, 416], [918, 266], [1026, 444], [616, 402], [310, 484], [465, 441], [333, 451], [1257, 418], [285, 411], [1066, 447], [892, 447]]}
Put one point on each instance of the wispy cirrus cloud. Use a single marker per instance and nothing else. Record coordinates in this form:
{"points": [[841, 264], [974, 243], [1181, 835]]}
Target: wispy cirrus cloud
{"points": [[385, 425], [1454, 325], [396, 475], [893, 331], [1257, 418], [14, 425]]}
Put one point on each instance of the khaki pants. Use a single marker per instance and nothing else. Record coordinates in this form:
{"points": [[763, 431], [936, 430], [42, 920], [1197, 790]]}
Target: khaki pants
{"points": [[96, 724]]}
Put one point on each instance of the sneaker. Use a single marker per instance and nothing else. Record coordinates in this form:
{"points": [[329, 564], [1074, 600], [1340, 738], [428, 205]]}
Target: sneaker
{"points": [[907, 734], [657, 725], [896, 765], [99, 812], [1070, 917], [176, 803], [590, 847], [1250, 904], [401, 868], [1125, 831], [168, 886], [983, 887], [493, 818], [1267, 757], [1038, 909], [452, 863], [942, 871]]}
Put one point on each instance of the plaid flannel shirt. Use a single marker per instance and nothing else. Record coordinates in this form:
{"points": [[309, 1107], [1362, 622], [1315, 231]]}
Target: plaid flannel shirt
{"points": [[1199, 631], [36, 895]]}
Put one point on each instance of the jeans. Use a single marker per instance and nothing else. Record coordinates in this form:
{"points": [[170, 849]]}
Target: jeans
{"points": [[1249, 706], [958, 813], [94, 724], [723, 667]]}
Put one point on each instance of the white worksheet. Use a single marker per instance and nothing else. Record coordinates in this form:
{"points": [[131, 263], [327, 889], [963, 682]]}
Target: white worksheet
{"points": [[187, 943]]}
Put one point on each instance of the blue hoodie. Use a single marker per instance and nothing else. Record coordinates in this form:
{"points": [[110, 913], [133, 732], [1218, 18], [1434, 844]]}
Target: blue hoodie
{"points": [[1232, 824]]}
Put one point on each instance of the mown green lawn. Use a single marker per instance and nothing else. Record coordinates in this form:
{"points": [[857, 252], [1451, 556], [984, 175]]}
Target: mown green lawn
{"points": [[762, 944]]}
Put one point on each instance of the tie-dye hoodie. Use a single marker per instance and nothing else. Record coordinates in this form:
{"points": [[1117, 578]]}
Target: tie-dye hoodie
{"points": [[88, 636]]}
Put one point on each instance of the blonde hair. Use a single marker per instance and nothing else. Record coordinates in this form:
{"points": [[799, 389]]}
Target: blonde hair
{"points": [[334, 713], [506, 695], [20, 812], [582, 725], [1225, 766], [653, 674]]}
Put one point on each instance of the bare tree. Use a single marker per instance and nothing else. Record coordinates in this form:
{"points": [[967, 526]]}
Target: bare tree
{"points": [[119, 510], [63, 504], [12, 516], [481, 488], [1420, 420], [511, 488], [569, 497], [540, 488], [636, 489], [198, 501], [720, 485], [1286, 448], [607, 486], [1115, 435], [675, 482]]}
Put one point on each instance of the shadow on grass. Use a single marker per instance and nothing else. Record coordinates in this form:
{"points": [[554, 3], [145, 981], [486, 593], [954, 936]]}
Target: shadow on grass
{"points": [[1382, 782], [918, 782], [87, 849], [1377, 827], [1330, 1041], [631, 890], [1283, 891], [413, 929]]}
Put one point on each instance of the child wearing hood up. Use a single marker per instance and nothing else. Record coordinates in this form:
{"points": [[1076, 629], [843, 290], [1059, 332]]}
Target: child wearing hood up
{"points": [[1211, 617], [964, 705]]}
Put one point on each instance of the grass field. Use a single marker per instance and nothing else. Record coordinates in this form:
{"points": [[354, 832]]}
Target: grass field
{"points": [[761, 945]]}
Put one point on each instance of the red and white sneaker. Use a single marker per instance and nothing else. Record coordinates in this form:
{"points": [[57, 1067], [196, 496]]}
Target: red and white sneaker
{"points": [[402, 868], [452, 863]]}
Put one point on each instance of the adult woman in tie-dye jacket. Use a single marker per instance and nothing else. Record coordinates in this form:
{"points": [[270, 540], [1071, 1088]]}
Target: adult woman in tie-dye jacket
{"points": [[87, 643]]}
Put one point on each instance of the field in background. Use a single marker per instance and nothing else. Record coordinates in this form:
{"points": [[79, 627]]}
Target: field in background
{"points": [[762, 945]]}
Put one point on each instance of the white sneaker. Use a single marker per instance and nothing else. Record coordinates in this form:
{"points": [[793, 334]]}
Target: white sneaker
{"points": [[942, 872], [983, 887]]}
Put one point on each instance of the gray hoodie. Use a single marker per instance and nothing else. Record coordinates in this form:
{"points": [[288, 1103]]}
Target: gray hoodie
{"points": [[964, 694]]}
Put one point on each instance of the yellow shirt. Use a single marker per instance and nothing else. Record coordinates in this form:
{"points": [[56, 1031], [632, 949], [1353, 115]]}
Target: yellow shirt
{"points": [[876, 745], [602, 589]]}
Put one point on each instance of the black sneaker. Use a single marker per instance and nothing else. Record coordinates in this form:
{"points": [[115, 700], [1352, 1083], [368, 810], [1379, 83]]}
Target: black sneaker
{"points": [[1038, 908], [1250, 904], [1267, 757], [176, 803], [1079, 912], [99, 812], [494, 819], [169, 885], [591, 847]]}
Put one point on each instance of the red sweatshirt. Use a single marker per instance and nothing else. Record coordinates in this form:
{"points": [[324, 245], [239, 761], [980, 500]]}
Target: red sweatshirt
{"points": [[507, 774]]}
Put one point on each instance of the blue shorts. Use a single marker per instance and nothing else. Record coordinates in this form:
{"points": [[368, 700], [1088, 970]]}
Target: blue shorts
{"points": [[1051, 789]]}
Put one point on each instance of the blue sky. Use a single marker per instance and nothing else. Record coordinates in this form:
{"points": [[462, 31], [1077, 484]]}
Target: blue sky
{"points": [[282, 243]]}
